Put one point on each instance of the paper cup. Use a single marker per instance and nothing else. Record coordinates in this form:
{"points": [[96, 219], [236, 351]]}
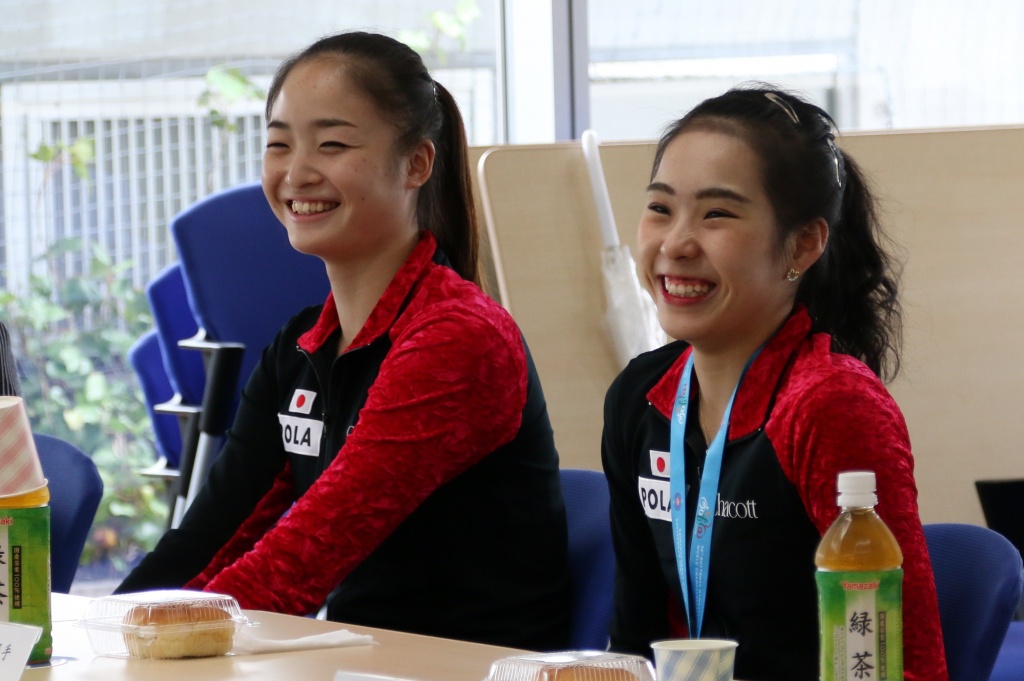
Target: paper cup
{"points": [[694, 659], [20, 471]]}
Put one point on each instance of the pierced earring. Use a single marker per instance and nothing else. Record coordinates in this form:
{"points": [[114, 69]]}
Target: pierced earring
{"points": [[793, 274]]}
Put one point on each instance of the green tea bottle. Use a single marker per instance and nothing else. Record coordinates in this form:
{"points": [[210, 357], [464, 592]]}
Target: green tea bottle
{"points": [[860, 589], [25, 565]]}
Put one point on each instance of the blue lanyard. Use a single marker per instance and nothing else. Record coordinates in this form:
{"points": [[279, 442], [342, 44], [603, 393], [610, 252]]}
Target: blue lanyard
{"points": [[695, 570]]}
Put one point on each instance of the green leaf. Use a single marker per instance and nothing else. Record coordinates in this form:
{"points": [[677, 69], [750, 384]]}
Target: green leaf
{"points": [[229, 84], [446, 23], [62, 247], [96, 387], [83, 150], [219, 120], [417, 40], [74, 419], [467, 11], [122, 509], [102, 266], [45, 153], [74, 360]]}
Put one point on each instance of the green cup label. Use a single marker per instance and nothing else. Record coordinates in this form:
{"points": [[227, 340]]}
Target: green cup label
{"points": [[25, 573], [861, 620]]}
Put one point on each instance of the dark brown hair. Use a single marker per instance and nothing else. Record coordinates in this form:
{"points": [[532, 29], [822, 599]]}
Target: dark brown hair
{"points": [[397, 81], [851, 292]]}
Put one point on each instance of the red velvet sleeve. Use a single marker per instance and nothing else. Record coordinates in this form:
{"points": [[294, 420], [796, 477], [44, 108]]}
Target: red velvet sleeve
{"points": [[267, 512], [846, 420], [451, 390]]}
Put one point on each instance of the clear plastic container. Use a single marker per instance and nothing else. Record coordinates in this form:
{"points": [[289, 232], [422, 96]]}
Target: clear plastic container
{"points": [[162, 624], [572, 666]]}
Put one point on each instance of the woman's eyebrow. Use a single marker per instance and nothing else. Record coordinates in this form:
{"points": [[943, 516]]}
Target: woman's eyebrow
{"points": [[333, 123], [320, 123], [722, 193], [707, 193]]}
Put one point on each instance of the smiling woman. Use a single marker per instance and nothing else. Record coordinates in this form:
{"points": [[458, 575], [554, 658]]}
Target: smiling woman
{"points": [[708, 200], [331, 176], [760, 242], [392, 455]]}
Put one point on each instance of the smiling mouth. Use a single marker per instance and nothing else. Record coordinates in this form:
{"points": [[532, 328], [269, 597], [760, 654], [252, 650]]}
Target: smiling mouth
{"points": [[683, 289], [311, 207]]}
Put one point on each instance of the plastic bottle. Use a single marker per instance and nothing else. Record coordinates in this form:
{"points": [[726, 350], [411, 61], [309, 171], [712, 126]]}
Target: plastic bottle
{"points": [[25, 565], [860, 589]]}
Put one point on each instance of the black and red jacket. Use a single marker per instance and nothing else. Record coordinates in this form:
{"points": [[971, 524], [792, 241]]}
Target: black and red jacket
{"points": [[419, 468], [801, 416]]}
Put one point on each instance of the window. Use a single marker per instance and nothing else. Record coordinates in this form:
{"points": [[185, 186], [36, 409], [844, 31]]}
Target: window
{"points": [[873, 64], [128, 78]]}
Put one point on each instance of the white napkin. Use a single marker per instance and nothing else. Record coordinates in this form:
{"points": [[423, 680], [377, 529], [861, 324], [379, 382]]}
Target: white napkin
{"points": [[248, 643]]}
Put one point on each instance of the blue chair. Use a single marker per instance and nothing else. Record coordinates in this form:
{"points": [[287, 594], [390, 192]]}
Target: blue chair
{"points": [[174, 322], [146, 360], [75, 492], [243, 282], [591, 557], [1010, 663], [978, 577], [243, 279]]}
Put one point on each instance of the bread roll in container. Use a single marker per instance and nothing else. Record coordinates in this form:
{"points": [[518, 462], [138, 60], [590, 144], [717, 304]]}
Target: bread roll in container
{"points": [[162, 624], [585, 665]]}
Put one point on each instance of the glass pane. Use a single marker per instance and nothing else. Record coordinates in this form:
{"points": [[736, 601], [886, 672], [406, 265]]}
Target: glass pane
{"points": [[873, 64], [109, 64]]}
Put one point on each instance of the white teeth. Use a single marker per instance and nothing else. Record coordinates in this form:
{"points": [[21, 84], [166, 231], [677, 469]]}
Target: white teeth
{"points": [[307, 207], [686, 290]]}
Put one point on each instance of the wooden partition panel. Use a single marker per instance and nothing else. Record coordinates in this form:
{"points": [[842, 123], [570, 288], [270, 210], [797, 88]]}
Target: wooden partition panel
{"points": [[952, 200], [543, 229]]}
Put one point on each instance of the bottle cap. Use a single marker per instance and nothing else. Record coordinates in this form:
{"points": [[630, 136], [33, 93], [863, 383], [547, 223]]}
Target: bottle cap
{"points": [[857, 489]]}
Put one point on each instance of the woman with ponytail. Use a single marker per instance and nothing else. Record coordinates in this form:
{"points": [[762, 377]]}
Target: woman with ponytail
{"points": [[392, 455], [761, 247]]}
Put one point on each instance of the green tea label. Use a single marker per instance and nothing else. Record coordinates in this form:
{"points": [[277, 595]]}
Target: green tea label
{"points": [[25, 572], [861, 620]]}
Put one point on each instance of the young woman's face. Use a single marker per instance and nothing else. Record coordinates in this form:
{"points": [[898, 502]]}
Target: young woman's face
{"points": [[709, 246], [330, 171]]}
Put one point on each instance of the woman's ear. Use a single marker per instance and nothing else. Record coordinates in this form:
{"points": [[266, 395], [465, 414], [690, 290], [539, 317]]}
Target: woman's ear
{"points": [[421, 164], [808, 244]]}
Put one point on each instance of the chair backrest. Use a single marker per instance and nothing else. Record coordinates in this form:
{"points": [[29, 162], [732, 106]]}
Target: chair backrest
{"points": [[242, 277], [174, 321], [75, 491], [978, 577], [547, 259], [1010, 663], [591, 557], [146, 359]]}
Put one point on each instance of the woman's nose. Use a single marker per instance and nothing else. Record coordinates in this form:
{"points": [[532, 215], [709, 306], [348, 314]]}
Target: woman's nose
{"points": [[680, 242], [301, 171]]}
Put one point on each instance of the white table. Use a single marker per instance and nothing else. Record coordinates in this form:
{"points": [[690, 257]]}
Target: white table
{"points": [[396, 654]]}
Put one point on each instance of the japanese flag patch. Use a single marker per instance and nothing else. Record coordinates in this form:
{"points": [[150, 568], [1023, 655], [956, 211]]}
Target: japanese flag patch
{"points": [[659, 463], [302, 402]]}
